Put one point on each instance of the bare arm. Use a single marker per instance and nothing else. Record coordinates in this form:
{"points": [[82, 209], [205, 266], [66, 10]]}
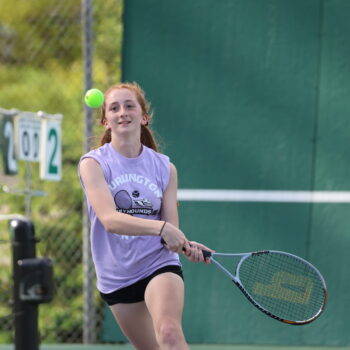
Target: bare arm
{"points": [[169, 204], [102, 203], [193, 250], [169, 214]]}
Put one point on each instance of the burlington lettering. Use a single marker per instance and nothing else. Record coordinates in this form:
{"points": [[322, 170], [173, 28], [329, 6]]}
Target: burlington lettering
{"points": [[120, 180]]}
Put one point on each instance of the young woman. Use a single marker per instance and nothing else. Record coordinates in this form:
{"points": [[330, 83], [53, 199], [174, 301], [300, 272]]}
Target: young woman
{"points": [[131, 195]]}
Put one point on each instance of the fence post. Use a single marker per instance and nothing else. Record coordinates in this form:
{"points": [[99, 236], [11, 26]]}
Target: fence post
{"points": [[89, 327]]}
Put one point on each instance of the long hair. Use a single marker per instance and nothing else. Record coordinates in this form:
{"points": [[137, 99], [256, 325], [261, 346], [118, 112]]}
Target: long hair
{"points": [[147, 138]]}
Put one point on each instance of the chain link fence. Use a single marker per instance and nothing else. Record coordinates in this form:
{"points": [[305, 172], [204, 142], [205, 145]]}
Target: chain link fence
{"points": [[43, 68]]}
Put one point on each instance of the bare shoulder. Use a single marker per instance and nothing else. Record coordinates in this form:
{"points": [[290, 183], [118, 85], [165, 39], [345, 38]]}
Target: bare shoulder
{"points": [[172, 184], [173, 170], [90, 169], [173, 175], [88, 162]]}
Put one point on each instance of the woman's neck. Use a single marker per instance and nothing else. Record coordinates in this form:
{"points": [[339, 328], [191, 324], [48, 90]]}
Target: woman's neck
{"points": [[127, 149]]}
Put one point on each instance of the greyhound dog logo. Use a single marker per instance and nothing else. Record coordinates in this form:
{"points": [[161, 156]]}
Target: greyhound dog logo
{"points": [[136, 205]]}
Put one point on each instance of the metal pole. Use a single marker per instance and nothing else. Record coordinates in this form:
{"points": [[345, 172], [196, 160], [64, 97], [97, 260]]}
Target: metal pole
{"points": [[89, 328], [28, 195], [26, 314]]}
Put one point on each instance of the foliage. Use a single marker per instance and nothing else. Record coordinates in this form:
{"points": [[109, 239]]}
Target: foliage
{"points": [[20, 29], [42, 69]]}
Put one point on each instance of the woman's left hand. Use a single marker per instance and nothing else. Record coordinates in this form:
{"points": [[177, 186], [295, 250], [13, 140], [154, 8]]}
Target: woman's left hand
{"points": [[195, 254]]}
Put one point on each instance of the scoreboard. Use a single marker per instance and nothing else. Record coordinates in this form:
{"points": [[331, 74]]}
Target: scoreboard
{"points": [[31, 137]]}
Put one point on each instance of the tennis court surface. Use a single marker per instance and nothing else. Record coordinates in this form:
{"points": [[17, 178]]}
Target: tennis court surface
{"points": [[192, 347]]}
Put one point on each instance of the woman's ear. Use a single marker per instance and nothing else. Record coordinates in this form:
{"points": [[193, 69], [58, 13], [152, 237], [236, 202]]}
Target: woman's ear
{"points": [[144, 120], [105, 124]]}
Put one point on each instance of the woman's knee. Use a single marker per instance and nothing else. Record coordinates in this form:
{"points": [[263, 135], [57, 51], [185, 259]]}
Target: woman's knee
{"points": [[169, 332]]}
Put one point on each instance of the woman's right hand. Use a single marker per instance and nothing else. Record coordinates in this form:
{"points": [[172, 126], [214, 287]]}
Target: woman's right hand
{"points": [[174, 238]]}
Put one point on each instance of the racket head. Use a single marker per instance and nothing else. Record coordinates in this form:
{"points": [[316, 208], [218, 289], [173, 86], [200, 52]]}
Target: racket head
{"points": [[283, 286]]}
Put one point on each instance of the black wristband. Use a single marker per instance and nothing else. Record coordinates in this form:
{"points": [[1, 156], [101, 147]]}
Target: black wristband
{"points": [[161, 230]]}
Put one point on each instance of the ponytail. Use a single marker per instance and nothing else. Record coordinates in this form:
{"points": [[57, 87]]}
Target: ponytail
{"points": [[106, 137], [147, 138]]}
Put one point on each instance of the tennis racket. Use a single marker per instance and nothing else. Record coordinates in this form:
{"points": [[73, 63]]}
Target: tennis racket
{"points": [[281, 285]]}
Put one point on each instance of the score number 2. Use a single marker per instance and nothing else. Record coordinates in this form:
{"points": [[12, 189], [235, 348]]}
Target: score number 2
{"points": [[50, 157], [8, 150]]}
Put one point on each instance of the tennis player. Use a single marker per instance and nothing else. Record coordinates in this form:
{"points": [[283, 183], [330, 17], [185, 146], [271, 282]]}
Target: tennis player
{"points": [[131, 192]]}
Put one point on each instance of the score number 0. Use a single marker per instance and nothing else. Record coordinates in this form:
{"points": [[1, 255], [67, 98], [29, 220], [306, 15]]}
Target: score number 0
{"points": [[28, 127]]}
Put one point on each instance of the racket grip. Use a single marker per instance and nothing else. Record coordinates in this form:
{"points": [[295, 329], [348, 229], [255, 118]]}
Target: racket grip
{"points": [[206, 253]]}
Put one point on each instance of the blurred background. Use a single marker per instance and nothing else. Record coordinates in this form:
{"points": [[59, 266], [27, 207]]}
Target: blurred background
{"points": [[42, 69], [250, 97]]}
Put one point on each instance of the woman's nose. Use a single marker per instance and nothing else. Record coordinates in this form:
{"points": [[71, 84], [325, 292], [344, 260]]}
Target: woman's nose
{"points": [[122, 111]]}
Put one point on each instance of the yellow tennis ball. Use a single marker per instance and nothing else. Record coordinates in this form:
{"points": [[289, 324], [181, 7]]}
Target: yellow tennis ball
{"points": [[94, 98]]}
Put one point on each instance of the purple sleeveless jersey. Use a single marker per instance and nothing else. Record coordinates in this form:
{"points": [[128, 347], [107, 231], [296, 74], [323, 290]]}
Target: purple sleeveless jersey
{"points": [[137, 186]]}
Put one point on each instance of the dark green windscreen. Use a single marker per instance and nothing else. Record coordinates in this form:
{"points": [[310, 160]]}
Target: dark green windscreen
{"points": [[252, 95]]}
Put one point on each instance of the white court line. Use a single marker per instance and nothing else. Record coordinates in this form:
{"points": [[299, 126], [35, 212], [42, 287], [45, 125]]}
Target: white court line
{"points": [[206, 195]]}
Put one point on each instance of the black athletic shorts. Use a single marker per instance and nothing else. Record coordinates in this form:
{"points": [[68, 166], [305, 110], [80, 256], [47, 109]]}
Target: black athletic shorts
{"points": [[136, 292]]}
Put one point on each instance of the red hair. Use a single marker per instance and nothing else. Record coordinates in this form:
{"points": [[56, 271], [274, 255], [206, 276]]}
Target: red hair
{"points": [[147, 137]]}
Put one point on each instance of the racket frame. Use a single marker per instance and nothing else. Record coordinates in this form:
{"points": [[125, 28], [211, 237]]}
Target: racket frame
{"points": [[236, 280]]}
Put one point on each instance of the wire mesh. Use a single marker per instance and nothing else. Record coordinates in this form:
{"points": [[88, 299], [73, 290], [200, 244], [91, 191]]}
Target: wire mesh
{"points": [[41, 68]]}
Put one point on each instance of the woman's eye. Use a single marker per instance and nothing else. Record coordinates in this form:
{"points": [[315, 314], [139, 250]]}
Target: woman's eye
{"points": [[129, 106]]}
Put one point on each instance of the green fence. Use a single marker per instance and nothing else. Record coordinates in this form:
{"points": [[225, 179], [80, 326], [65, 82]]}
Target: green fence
{"points": [[252, 96]]}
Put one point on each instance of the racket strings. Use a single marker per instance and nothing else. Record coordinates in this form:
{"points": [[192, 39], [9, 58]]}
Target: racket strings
{"points": [[283, 285]]}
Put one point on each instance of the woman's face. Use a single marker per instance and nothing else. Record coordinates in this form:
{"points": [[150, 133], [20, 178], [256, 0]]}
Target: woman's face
{"points": [[123, 113]]}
